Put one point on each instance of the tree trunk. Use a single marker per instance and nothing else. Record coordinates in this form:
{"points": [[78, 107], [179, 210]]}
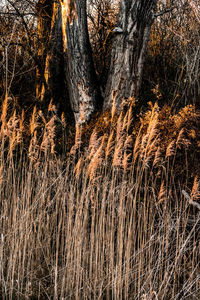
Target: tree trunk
{"points": [[50, 72], [83, 88], [129, 46], [66, 55]]}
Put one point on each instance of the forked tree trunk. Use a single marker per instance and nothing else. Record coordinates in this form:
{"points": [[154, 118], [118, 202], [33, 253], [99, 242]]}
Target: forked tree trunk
{"points": [[66, 53], [80, 73], [129, 48]]}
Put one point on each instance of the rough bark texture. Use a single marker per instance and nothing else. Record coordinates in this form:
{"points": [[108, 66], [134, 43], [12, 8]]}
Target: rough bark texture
{"points": [[81, 77], [129, 47], [51, 82], [50, 75], [66, 55], [44, 10]]}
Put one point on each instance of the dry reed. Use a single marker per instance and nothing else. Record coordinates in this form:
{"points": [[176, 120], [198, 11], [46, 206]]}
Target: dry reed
{"points": [[91, 229]]}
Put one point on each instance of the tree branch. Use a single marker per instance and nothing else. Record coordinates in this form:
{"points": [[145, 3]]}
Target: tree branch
{"points": [[163, 12]]}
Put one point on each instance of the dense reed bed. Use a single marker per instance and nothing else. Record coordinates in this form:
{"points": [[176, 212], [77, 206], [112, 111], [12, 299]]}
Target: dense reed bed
{"points": [[117, 218]]}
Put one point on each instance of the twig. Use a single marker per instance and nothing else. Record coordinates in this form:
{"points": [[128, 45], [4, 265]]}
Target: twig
{"points": [[163, 12]]}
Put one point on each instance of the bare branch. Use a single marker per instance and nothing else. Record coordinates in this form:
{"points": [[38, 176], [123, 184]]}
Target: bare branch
{"points": [[161, 13]]}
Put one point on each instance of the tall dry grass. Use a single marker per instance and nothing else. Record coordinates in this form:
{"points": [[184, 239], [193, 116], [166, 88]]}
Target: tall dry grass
{"points": [[118, 220]]}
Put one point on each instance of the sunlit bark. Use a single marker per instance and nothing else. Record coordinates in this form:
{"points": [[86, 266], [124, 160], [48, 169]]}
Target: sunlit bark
{"points": [[129, 48], [50, 73], [66, 55], [80, 73]]}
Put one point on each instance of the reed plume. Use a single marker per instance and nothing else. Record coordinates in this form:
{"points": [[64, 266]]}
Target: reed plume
{"points": [[110, 145], [118, 153], [162, 195], [171, 149], [195, 195], [97, 159], [157, 157], [33, 125]]}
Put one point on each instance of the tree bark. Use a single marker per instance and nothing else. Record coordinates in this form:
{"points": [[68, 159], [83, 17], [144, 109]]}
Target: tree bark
{"points": [[50, 72], [66, 55], [83, 88], [129, 48]]}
